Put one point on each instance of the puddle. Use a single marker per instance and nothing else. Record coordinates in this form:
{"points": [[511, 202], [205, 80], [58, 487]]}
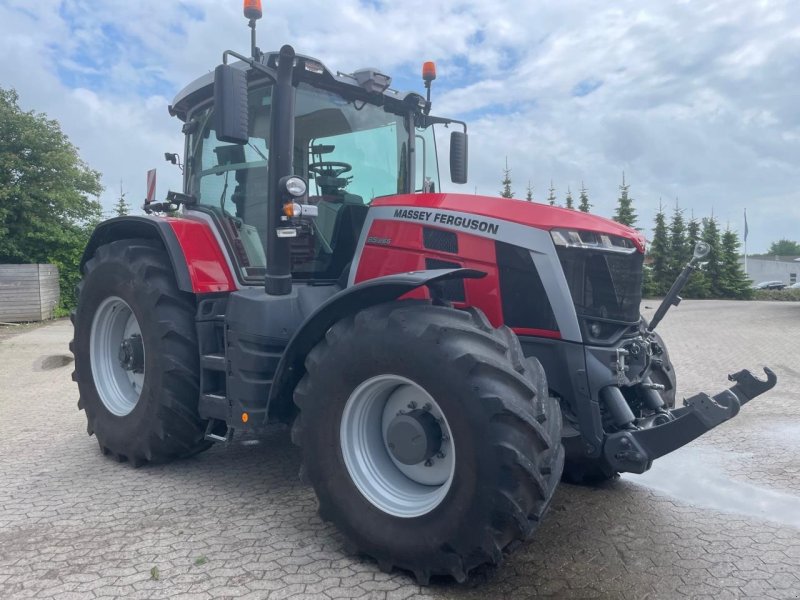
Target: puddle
{"points": [[695, 476], [787, 433], [54, 361]]}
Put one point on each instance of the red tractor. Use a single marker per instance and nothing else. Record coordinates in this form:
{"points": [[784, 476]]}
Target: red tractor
{"points": [[443, 359]]}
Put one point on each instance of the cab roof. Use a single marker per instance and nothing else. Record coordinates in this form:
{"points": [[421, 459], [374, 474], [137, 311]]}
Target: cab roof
{"points": [[368, 82]]}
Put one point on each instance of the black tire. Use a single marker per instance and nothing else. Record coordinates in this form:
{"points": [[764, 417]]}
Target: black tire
{"points": [[164, 423], [664, 373], [506, 431], [595, 471]]}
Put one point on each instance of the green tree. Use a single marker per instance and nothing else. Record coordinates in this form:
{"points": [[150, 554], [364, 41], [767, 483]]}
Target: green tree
{"points": [[733, 281], [551, 196], [568, 201], [713, 262], [679, 253], [507, 193], [659, 255], [625, 212], [584, 205], [784, 248], [48, 203], [121, 208], [697, 286], [529, 195]]}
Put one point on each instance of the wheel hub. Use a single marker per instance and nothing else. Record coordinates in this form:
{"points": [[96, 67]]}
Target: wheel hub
{"points": [[397, 446], [414, 437], [117, 356], [131, 354]]}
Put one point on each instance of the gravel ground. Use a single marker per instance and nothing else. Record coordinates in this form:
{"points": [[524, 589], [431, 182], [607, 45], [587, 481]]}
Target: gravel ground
{"points": [[718, 519]]}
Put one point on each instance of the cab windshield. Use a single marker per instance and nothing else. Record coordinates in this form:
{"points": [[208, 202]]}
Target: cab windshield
{"points": [[350, 151]]}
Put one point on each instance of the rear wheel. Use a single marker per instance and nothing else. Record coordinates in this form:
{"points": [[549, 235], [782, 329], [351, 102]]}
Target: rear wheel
{"points": [[427, 437], [136, 358]]}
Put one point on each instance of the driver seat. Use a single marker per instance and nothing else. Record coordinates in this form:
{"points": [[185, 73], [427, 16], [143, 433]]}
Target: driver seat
{"points": [[340, 220]]}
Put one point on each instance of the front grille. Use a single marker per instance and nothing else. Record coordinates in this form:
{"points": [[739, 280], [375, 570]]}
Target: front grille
{"points": [[604, 285]]}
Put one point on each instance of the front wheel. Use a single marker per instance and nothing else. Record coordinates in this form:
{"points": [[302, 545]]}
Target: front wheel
{"points": [[430, 440]]}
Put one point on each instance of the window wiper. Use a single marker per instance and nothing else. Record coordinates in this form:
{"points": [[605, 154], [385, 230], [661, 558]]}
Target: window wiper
{"points": [[257, 150]]}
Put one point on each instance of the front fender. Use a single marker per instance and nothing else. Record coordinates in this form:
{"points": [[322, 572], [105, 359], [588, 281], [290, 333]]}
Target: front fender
{"points": [[350, 300]]}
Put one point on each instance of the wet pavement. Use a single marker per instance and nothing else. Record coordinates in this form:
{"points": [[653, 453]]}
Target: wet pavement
{"points": [[717, 519]]}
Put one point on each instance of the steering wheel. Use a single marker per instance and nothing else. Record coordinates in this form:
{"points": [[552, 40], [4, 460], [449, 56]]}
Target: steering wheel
{"points": [[330, 168]]}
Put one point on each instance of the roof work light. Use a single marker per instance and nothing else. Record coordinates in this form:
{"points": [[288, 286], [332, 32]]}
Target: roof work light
{"points": [[428, 75], [252, 9], [428, 72]]}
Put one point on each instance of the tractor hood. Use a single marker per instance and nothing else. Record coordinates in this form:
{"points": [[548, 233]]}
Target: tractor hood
{"points": [[533, 214]]}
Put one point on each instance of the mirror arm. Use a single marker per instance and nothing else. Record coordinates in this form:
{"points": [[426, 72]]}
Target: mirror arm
{"points": [[252, 63], [427, 120]]}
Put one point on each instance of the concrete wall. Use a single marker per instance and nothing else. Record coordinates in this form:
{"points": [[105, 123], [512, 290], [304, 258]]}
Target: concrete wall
{"points": [[769, 269], [28, 292]]}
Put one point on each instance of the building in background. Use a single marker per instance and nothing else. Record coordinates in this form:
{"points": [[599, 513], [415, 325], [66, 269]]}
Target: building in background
{"points": [[773, 268]]}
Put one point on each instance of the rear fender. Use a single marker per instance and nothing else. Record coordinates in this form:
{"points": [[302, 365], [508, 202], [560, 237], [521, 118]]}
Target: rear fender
{"points": [[349, 301], [197, 260]]}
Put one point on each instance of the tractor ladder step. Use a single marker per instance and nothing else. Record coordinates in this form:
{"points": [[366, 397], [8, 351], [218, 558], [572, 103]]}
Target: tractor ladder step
{"points": [[214, 406], [214, 362]]}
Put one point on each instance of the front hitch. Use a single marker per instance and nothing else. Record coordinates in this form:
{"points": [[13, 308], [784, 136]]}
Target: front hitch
{"points": [[634, 450]]}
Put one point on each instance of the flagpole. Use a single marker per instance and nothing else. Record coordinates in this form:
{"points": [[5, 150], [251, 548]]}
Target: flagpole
{"points": [[745, 244]]}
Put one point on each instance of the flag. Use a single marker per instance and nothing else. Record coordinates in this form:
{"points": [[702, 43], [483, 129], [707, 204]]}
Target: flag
{"points": [[745, 225]]}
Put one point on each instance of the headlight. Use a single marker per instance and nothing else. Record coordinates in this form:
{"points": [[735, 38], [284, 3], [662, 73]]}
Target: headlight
{"points": [[572, 238], [295, 186]]}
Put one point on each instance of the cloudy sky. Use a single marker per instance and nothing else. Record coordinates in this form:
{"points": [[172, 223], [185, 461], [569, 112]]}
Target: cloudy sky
{"points": [[698, 101]]}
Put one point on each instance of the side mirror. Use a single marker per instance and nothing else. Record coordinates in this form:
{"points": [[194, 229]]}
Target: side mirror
{"points": [[230, 104], [458, 157]]}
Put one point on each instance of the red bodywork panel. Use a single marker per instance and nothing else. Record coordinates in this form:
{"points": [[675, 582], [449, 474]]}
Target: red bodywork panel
{"points": [[407, 253], [533, 214], [204, 258]]}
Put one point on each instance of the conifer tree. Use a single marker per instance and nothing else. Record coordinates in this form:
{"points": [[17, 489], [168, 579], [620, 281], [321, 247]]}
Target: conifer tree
{"points": [[697, 286], [568, 201], [679, 254], [507, 193], [713, 262], [659, 252], [529, 195], [733, 281], [584, 205], [551, 197], [625, 212], [121, 208]]}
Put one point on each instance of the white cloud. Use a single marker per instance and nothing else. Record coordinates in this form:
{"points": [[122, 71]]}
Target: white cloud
{"points": [[696, 100]]}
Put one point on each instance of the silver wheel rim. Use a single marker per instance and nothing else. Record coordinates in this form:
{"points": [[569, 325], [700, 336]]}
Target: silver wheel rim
{"points": [[400, 490], [119, 389]]}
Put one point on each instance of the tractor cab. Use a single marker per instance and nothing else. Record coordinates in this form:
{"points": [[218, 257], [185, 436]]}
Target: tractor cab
{"points": [[352, 139]]}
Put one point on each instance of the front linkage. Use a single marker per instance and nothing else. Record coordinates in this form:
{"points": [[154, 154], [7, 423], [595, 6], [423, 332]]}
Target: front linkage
{"points": [[635, 450]]}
